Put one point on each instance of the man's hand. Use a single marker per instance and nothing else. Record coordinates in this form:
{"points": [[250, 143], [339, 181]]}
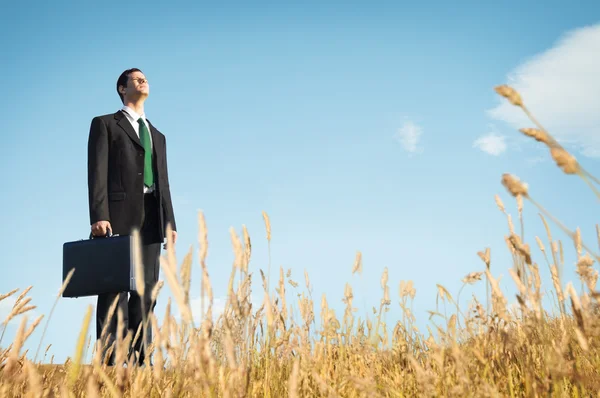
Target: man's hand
{"points": [[174, 237], [99, 228]]}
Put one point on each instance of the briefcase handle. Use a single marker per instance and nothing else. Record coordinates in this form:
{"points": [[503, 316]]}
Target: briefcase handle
{"points": [[108, 234]]}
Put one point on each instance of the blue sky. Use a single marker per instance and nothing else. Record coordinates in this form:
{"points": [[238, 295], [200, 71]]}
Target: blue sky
{"points": [[370, 127]]}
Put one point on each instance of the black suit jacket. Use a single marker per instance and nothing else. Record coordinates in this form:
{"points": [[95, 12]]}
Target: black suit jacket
{"points": [[116, 175]]}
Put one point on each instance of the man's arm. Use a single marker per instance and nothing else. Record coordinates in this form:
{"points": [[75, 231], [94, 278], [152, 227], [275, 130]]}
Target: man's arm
{"points": [[98, 176], [166, 195]]}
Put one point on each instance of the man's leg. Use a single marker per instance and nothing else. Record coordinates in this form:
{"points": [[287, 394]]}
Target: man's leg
{"points": [[150, 261], [150, 256], [106, 324]]}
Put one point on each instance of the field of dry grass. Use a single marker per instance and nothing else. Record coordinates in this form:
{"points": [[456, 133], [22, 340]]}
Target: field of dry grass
{"points": [[485, 349]]}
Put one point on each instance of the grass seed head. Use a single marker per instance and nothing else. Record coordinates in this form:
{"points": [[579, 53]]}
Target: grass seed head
{"points": [[564, 160], [267, 225], [585, 261], [537, 135], [514, 185], [520, 247], [485, 257], [510, 94], [3, 296], [540, 244], [357, 263], [499, 203], [407, 289], [472, 278]]}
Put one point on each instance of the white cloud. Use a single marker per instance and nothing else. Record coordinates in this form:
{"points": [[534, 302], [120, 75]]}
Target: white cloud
{"points": [[561, 87], [409, 136], [491, 143]]}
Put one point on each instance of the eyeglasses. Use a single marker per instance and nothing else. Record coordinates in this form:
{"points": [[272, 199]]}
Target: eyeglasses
{"points": [[139, 80]]}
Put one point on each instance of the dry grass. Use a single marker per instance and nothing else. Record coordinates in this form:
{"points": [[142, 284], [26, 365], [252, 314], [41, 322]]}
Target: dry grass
{"points": [[484, 349]]}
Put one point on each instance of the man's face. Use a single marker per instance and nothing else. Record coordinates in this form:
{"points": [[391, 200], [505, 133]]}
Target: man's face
{"points": [[137, 86]]}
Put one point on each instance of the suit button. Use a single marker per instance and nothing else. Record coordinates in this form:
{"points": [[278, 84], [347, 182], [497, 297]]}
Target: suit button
{"points": [[139, 174]]}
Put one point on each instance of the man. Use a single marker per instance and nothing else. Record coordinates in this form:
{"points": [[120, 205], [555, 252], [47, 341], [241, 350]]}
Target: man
{"points": [[128, 187]]}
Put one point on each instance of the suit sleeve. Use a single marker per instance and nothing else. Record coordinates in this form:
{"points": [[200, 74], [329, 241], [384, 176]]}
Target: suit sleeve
{"points": [[98, 171], [169, 215]]}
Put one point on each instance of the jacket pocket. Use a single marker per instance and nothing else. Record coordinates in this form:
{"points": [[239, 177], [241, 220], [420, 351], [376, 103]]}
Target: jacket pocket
{"points": [[115, 196]]}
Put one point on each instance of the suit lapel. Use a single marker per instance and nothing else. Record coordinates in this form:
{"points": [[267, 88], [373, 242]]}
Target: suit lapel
{"points": [[126, 126]]}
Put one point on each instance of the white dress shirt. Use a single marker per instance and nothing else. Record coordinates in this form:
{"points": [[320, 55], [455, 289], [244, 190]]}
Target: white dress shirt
{"points": [[133, 118]]}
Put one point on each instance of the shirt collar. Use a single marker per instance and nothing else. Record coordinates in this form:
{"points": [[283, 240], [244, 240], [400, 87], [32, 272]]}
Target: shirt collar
{"points": [[133, 114]]}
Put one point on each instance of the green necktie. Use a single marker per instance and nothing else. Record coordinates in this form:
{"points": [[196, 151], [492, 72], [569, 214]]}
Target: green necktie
{"points": [[145, 140]]}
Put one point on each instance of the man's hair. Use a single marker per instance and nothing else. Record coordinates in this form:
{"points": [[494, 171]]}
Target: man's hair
{"points": [[122, 81]]}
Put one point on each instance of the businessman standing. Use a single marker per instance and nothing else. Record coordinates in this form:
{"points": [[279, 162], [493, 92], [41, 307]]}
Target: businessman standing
{"points": [[128, 187]]}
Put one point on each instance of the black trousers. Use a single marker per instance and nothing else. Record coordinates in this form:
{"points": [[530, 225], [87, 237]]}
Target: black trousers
{"points": [[131, 306]]}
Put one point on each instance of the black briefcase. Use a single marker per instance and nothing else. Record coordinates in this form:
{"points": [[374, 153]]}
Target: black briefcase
{"points": [[102, 265]]}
